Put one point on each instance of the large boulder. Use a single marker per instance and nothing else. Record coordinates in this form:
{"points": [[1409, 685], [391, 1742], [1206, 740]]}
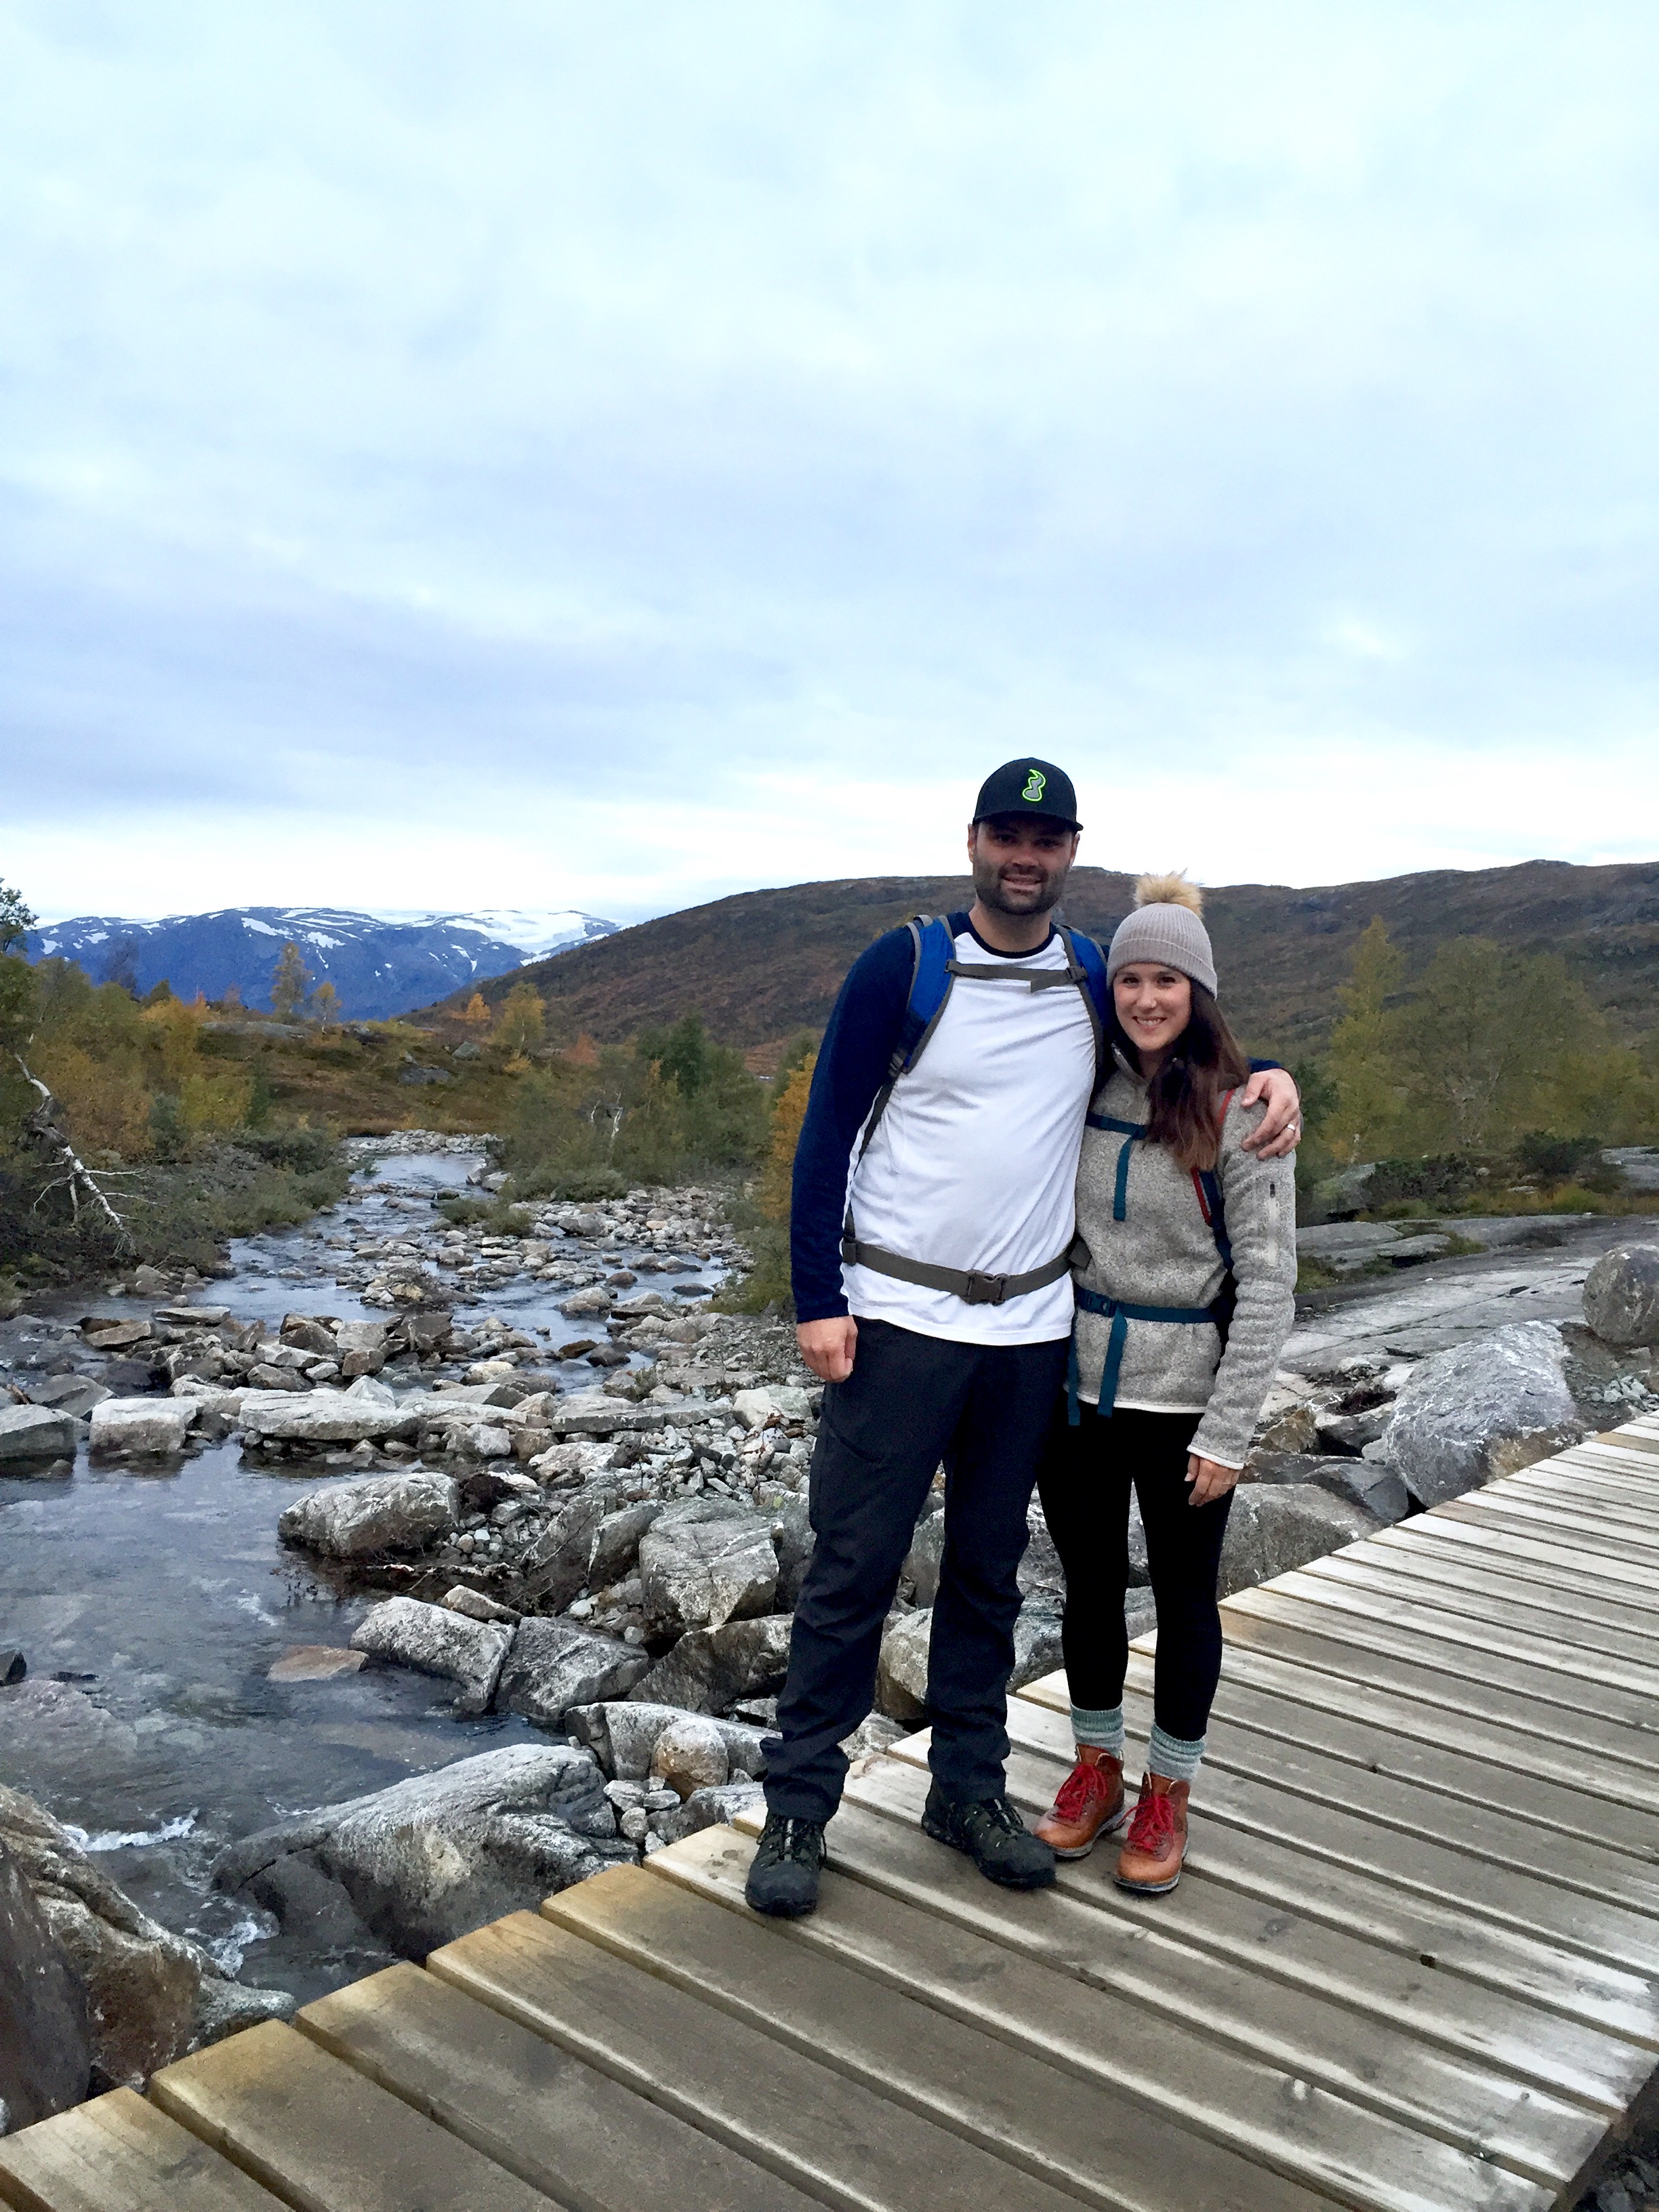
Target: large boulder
{"points": [[45, 2045], [923, 1559], [363, 1414], [436, 1641], [1371, 1483], [710, 1669], [794, 1540], [433, 1857], [1622, 1294], [151, 1995], [1036, 1642], [35, 1432], [142, 1428], [1273, 1526], [553, 1665], [700, 1572], [1481, 1410], [691, 1754], [361, 1520], [901, 1671], [616, 1542]]}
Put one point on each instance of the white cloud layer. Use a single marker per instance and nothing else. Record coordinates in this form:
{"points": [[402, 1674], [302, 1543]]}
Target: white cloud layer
{"points": [[554, 455]]}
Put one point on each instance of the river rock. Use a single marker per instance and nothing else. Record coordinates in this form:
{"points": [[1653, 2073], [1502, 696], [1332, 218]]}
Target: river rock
{"points": [[1036, 1642], [433, 1857], [594, 1301], [710, 1669], [314, 1663], [691, 1754], [615, 1543], [698, 1571], [553, 1665], [556, 1566], [623, 1737], [362, 1413], [901, 1671], [715, 1808], [1622, 1294], [592, 1413], [74, 1395], [436, 1641], [793, 1541], [45, 2045], [1482, 1409], [141, 1427], [112, 1337], [1273, 1526], [34, 1432], [301, 1333], [151, 1995], [381, 1513]]}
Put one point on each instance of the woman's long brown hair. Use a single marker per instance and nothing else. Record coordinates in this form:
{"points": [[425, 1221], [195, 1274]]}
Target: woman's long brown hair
{"points": [[1185, 1097]]}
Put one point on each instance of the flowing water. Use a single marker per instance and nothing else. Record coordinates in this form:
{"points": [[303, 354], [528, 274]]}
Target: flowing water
{"points": [[150, 1607]]}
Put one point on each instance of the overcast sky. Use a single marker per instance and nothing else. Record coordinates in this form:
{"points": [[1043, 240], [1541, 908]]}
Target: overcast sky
{"points": [[531, 454]]}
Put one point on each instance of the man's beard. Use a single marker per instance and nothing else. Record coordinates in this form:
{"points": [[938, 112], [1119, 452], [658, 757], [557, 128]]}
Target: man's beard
{"points": [[1018, 898]]}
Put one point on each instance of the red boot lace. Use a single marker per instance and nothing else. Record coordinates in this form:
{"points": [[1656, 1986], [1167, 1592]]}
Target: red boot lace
{"points": [[1078, 1790], [1153, 1825]]}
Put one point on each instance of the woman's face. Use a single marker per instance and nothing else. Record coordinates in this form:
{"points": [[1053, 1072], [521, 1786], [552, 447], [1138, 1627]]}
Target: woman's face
{"points": [[1154, 1005]]}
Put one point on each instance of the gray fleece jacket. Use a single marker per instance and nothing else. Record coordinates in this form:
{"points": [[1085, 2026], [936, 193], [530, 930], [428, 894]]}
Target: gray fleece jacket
{"points": [[1164, 1254]]}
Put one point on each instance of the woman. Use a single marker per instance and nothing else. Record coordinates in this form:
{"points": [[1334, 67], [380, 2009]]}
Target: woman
{"points": [[1185, 1272]]}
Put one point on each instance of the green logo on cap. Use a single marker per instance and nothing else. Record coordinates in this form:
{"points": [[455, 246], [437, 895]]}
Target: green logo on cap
{"points": [[1033, 784]]}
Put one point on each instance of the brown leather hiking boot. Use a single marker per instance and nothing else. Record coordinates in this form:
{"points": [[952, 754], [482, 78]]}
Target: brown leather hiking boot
{"points": [[1150, 1862], [1088, 1805]]}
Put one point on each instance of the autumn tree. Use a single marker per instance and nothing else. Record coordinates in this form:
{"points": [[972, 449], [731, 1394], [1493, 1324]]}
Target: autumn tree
{"points": [[475, 1013], [1361, 1061], [325, 1004], [521, 1023], [788, 1116], [290, 980]]}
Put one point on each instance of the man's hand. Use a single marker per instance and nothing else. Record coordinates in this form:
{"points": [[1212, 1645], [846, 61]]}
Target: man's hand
{"points": [[1209, 1478], [1281, 1125], [828, 1346]]}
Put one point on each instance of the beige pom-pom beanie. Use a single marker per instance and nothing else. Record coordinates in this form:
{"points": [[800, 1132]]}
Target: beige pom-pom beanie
{"points": [[1165, 927]]}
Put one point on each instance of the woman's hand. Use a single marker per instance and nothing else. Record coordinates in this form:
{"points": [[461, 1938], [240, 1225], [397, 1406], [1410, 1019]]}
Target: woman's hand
{"points": [[1209, 1480]]}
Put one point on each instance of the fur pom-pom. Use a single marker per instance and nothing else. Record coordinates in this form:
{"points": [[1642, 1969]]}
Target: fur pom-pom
{"points": [[1172, 890]]}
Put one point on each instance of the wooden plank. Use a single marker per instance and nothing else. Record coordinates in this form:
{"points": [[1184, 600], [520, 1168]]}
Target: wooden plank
{"points": [[1516, 1609], [1524, 1758], [1634, 1684], [558, 2123], [1564, 1816], [323, 2137], [823, 2132], [1470, 1652], [1156, 2040], [1046, 2105], [1599, 1500], [1313, 1642], [1562, 1526], [1080, 1928], [1463, 1575], [1629, 1474], [118, 2154], [1294, 1885], [1601, 1928], [1529, 1556]]}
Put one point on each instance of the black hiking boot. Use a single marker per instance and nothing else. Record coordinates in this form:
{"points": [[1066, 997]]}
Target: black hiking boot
{"points": [[783, 1875], [992, 1835]]}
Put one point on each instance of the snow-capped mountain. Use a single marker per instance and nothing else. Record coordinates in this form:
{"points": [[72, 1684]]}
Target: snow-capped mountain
{"points": [[379, 964]]}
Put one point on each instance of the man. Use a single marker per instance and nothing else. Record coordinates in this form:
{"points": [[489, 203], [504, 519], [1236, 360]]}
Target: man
{"points": [[932, 1225]]}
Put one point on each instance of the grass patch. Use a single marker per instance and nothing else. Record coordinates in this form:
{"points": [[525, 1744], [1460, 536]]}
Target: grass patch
{"points": [[765, 1288]]}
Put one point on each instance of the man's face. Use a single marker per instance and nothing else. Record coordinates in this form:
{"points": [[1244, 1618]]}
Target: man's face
{"points": [[1020, 862]]}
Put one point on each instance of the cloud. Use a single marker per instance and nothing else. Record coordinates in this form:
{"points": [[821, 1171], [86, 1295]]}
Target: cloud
{"points": [[566, 455]]}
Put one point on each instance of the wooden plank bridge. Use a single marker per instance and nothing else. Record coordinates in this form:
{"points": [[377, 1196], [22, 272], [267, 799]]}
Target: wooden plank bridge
{"points": [[1414, 1967]]}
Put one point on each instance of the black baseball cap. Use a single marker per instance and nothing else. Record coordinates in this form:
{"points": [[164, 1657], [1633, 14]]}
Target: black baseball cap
{"points": [[1027, 787]]}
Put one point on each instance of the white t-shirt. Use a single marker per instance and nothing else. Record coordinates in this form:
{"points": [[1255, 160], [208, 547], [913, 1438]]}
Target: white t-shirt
{"points": [[973, 1163]]}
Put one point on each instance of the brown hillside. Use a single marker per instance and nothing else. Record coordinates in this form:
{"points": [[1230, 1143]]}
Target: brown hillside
{"points": [[764, 964]]}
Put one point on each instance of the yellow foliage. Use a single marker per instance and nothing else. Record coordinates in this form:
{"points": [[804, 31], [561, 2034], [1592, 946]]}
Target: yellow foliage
{"points": [[475, 1013], [584, 1053], [107, 1107], [175, 1029], [787, 1118], [523, 1021], [219, 1101]]}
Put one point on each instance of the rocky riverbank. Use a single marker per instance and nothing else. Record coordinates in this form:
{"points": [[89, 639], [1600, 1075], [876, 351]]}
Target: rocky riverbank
{"points": [[421, 1565]]}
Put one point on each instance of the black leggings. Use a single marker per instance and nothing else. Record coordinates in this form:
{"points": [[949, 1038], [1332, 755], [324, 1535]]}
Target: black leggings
{"points": [[1084, 1488]]}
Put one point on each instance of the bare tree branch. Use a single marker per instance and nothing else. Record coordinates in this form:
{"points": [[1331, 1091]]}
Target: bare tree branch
{"points": [[74, 1175]]}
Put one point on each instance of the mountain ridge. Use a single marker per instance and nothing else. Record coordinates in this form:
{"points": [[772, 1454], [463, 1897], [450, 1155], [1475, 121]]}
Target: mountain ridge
{"points": [[380, 965], [760, 966]]}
